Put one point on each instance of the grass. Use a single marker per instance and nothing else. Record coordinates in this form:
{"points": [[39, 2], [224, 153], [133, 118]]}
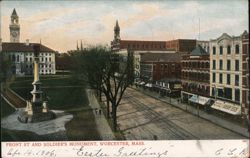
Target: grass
{"points": [[6, 109], [76, 128], [70, 99]]}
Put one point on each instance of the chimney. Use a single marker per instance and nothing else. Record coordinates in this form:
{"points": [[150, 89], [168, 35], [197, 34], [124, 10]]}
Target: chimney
{"points": [[27, 42]]}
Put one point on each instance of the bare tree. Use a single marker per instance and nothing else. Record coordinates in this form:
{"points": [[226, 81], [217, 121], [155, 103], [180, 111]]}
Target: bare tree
{"points": [[107, 72]]}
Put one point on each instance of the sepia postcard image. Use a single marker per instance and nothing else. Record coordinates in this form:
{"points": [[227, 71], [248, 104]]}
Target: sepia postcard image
{"points": [[129, 78]]}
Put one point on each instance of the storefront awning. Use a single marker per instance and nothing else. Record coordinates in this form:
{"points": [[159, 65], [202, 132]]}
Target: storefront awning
{"points": [[227, 107], [199, 99], [149, 85]]}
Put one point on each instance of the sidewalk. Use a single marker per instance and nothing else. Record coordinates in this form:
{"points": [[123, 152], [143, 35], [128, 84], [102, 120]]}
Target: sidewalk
{"points": [[101, 122], [200, 113]]}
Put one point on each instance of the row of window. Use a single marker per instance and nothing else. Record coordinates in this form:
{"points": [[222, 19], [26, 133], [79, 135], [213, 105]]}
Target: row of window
{"points": [[196, 76], [195, 88], [42, 54], [226, 93], [236, 79], [197, 64], [236, 67], [46, 71], [41, 66], [146, 46], [16, 58], [237, 49], [41, 59]]}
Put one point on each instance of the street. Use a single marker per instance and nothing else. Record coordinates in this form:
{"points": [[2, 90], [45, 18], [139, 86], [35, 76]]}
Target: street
{"points": [[143, 117]]}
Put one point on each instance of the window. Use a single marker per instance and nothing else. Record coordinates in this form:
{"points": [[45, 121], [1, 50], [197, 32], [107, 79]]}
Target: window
{"points": [[221, 64], [26, 59], [228, 64], [221, 50], [13, 58], [214, 64], [236, 80], [50, 59], [221, 77], [236, 65], [214, 77], [228, 49], [214, 50], [237, 49], [228, 79], [228, 93], [237, 95]]}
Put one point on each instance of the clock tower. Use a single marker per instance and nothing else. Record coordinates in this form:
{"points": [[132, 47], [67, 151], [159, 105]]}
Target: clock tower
{"points": [[14, 27]]}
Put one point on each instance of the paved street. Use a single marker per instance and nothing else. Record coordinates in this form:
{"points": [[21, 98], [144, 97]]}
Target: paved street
{"points": [[143, 117]]}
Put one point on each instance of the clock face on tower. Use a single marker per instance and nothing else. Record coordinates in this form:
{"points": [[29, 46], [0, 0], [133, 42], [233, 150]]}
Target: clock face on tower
{"points": [[14, 33]]}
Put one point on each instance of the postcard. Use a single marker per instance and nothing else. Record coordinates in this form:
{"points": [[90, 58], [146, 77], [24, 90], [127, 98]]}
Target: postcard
{"points": [[137, 79]]}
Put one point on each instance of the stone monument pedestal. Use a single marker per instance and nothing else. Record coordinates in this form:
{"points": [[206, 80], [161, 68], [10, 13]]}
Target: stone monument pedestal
{"points": [[35, 113]]}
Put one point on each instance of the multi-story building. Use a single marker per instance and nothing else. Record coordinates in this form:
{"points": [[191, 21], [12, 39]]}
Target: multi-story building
{"points": [[195, 76], [245, 75], [162, 71], [21, 54], [226, 73]]}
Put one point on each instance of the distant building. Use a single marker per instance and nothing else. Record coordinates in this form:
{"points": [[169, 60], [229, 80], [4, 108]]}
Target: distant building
{"points": [[21, 55], [195, 77], [178, 45], [226, 73]]}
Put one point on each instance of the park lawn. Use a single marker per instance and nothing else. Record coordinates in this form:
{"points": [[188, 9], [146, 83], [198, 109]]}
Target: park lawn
{"points": [[76, 128], [6, 109], [70, 99]]}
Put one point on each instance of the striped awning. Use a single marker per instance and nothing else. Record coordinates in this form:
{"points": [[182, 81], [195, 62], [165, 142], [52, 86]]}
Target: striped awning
{"points": [[227, 107]]}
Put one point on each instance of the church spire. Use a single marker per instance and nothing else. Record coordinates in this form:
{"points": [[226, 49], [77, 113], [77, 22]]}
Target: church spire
{"points": [[77, 48], [81, 45], [117, 31], [14, 12]]}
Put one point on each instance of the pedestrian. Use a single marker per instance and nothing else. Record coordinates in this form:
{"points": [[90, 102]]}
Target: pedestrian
{"points": [[100, 111], [96, 111]]}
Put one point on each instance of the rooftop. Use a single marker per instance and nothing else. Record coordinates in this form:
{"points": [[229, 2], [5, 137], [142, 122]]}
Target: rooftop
{"points": [[161, 57], [23, 47]]}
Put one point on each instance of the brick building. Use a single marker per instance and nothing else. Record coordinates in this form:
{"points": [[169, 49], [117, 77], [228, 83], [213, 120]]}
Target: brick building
{"points": [[195, 76], [162, 71]]}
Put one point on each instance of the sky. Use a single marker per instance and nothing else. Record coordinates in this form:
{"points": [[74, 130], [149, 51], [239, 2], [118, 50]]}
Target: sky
{"points": [[60, 24]]}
